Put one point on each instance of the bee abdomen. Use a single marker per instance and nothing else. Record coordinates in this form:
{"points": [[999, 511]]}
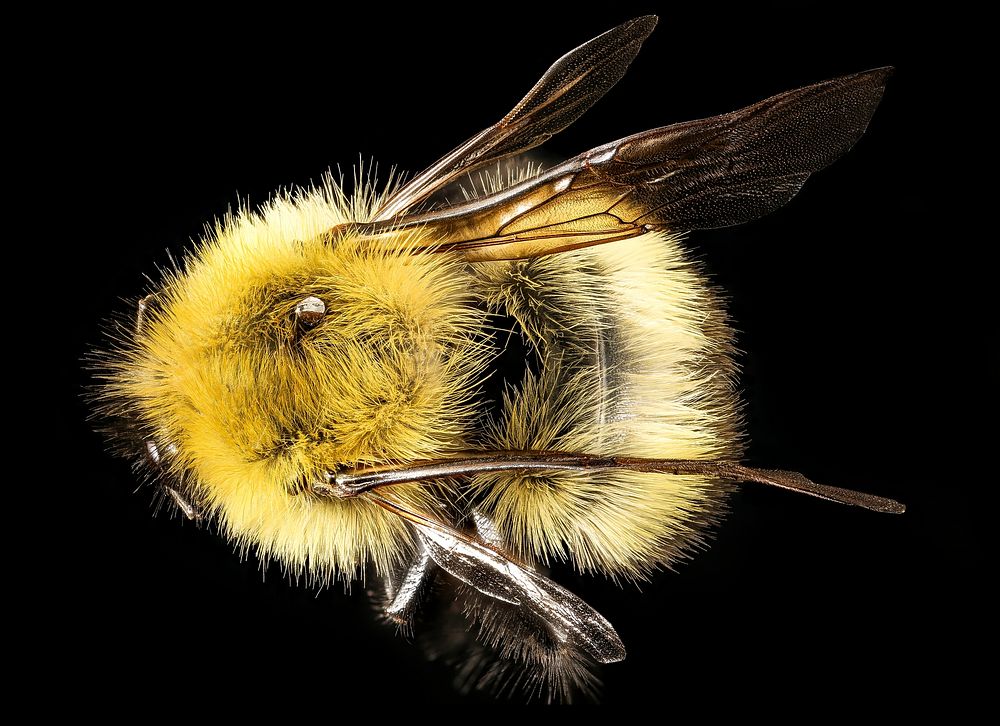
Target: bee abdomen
{"points": [[635, 358]]}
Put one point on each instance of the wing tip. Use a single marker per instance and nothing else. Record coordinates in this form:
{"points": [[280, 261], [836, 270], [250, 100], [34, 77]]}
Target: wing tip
{"points": [[646, 21], [891, 506], [614, 654], [880, 74], [875, 77], [641, 27]]}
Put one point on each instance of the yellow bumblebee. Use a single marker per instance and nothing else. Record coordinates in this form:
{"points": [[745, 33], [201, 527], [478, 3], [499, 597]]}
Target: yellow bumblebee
{"points": [[310, 378]]}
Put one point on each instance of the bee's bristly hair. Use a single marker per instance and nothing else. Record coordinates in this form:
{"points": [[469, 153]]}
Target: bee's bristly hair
{"points": [[251, 403], [504, 174], [522, 657], [503, 650], [636, 359]]}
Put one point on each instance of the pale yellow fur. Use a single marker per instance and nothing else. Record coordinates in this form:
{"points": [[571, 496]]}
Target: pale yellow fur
{"points": [[218, 374], [634, 360]]}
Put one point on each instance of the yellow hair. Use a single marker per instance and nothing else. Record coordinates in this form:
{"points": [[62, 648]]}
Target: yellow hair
{"points": [[634, 359], [253, 406]]}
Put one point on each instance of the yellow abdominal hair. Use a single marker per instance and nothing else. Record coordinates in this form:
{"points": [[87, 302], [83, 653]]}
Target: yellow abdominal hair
{"points": [[635, 360], [250, 405]]}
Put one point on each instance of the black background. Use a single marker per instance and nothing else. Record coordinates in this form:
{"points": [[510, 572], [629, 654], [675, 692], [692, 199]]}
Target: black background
{"points": [[846, 302]]}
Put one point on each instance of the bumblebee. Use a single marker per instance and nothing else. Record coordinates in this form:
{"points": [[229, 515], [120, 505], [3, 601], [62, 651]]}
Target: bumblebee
{"points": [[310, 378]]}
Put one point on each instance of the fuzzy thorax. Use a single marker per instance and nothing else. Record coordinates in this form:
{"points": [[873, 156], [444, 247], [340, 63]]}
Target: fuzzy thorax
{"points": [[252, 402]]}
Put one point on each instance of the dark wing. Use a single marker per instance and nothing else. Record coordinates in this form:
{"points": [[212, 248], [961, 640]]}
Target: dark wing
{"points": [[572, 85], [715, 172]]}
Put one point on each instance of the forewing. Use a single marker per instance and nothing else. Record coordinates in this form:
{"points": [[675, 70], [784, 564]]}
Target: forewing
{"points": [[570, 86], [715, 172]]}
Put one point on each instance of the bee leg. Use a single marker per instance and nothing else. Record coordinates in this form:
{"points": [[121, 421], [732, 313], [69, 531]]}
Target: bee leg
{"points": [[155, 455], [403, 596], [486, 528], [141, 309], [190, 510]]}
